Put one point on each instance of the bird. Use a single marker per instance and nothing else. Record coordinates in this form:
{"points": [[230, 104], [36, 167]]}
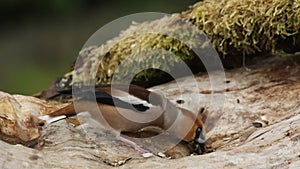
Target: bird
{"points": [[130, 108]]}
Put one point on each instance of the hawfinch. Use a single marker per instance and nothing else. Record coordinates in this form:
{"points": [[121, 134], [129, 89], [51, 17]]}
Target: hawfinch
{"points": [[130, 109]]}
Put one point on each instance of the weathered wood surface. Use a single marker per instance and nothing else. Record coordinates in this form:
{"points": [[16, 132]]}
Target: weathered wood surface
{"points": [[271, 89]]}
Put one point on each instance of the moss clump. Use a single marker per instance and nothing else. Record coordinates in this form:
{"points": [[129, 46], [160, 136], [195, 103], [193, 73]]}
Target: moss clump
{"points": [[141, 44], [237, 29], [246, 27]]}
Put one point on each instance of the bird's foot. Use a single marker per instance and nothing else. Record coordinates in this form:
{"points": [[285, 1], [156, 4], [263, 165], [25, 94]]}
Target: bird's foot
{"points": [[134, 145]]}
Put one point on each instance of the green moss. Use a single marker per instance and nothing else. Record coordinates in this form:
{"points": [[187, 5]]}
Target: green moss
{"points": [[243, 27], [142, 49], [237, 29]]}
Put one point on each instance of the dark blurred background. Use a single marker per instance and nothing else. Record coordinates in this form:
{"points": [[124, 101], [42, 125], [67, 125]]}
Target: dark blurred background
{"points": [[41, 38]]}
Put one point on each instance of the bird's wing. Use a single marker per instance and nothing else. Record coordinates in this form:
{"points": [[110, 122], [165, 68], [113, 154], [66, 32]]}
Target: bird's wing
{"points": [[115, 98], [135, 91]]}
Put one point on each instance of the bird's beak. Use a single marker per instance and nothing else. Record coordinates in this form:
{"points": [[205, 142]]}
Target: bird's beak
{"points": [[199, 148]]}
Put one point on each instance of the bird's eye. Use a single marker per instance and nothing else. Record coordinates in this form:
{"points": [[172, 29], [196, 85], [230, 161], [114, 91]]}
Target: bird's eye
{"points": [[199, 141], [199, 136], [198, 132]]}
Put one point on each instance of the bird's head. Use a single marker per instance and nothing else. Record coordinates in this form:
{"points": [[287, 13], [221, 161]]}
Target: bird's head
{"points": [[196, 135]]}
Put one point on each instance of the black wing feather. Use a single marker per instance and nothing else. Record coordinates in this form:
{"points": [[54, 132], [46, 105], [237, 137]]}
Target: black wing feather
{"points": [[105, 98]]}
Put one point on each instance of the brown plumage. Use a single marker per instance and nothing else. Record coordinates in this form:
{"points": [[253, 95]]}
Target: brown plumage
{"points": [[130, 109]]}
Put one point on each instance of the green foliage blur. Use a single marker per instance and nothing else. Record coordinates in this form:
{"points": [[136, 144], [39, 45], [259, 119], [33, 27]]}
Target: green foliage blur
{"points": [[40, 39]]}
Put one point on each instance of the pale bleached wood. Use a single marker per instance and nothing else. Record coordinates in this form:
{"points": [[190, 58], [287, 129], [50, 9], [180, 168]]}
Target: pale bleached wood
{"points": [[271, 88]]}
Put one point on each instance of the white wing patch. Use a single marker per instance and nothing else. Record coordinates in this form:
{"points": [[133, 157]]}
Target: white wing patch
{"points": [[134, 100], [50, 120]]}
